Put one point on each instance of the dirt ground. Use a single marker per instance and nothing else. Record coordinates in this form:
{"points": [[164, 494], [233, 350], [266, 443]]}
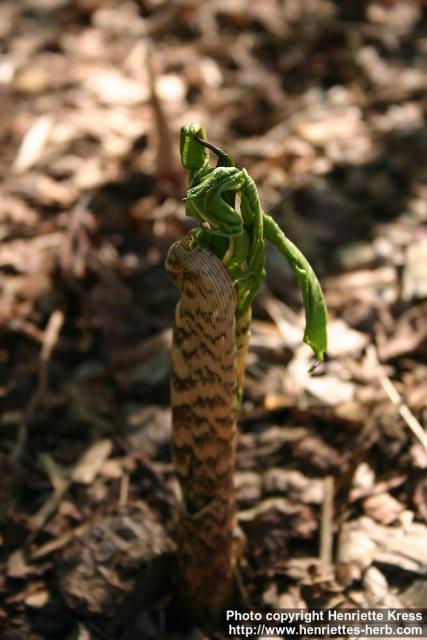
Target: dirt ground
{"points": [[324, 103]]}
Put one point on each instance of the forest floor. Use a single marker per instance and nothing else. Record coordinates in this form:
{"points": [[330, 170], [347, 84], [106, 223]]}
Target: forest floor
{"points": [[324, 103]]}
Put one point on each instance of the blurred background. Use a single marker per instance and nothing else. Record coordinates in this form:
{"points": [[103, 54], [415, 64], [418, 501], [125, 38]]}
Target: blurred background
{"points": [[324, 103]]}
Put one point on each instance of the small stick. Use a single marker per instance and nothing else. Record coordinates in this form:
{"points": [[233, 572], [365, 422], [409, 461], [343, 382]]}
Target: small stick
{"points": [[326, 525], [124, 490], [50, 339], [395, 398], [166, 161]]}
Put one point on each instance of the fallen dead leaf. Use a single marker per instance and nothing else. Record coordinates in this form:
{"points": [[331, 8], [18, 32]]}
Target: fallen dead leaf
{"points": [[401, 546], [112, 88], [33, 144], [414, 281], [342, 339], [383, 508], [330, 389], [37, 600]]}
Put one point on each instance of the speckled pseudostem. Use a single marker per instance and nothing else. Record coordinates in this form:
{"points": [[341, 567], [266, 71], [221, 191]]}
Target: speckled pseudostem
{"points": [[203, 390]]}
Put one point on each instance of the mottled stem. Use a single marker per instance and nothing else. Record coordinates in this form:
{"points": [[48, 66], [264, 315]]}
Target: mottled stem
{"points": [[203, 392]]}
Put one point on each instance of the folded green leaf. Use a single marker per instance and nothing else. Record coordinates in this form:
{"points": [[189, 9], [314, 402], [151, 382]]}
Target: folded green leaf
{"points": [[315, 334]]}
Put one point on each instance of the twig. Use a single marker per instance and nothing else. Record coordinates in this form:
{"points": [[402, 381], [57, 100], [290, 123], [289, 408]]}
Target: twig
{"points": [[395, 398], [76, 248], [243, 592], [50, 339], [326, 525], [124, 490], [60, 542], [60, 481], [61, 478], [166, 161]]}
